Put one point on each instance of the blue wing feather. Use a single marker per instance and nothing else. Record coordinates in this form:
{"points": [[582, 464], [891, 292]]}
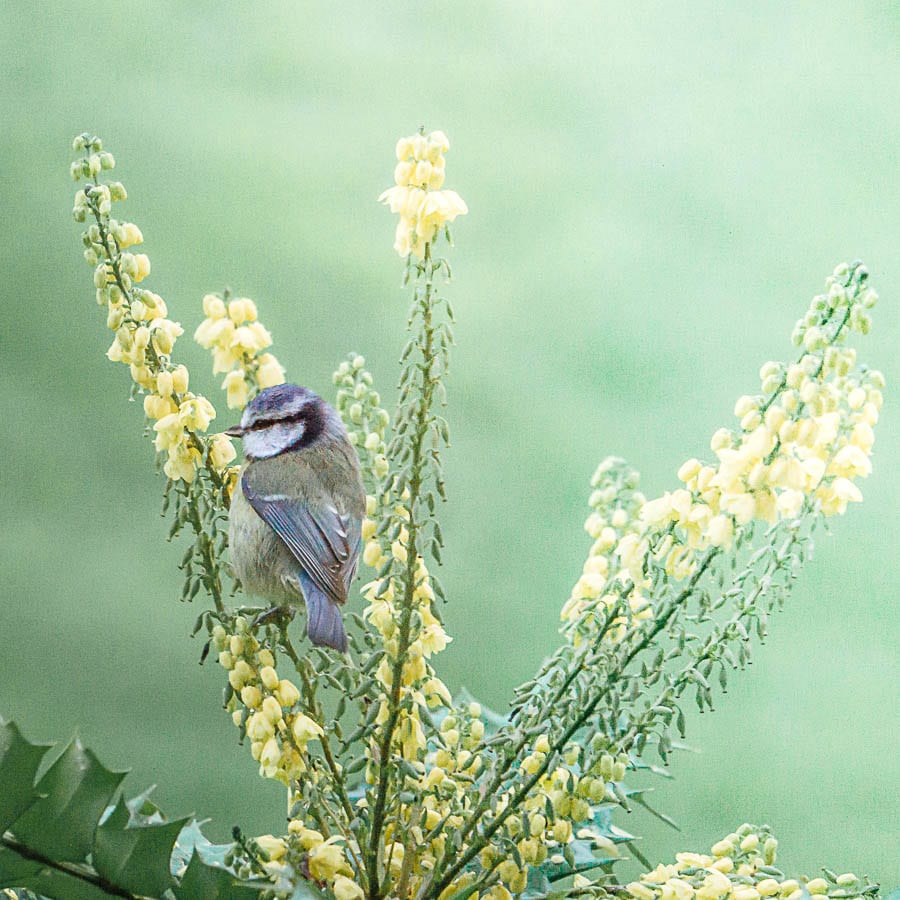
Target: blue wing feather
{"points": [[325, 543]]}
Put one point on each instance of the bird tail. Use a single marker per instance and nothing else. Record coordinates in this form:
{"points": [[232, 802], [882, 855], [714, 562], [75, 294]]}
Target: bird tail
{"points": [[325, 626]]}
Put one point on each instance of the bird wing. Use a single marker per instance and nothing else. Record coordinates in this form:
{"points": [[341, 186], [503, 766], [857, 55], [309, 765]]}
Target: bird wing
{"points": [[323, 540]]}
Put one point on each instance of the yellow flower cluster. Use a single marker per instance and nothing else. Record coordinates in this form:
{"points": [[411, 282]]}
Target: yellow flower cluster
{"points": [[423, 207], [417, 679], [305, 850], [144, 336], [264, 705], [799, 446], [614, 522], [739, 867], [237, 338]]}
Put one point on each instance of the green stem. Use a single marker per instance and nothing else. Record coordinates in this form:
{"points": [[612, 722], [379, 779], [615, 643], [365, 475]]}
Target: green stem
{"points": [[422, 411], [73, 870]]}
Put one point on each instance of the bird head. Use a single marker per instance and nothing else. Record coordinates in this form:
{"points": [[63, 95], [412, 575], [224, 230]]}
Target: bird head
{"points": [[284, 417]]}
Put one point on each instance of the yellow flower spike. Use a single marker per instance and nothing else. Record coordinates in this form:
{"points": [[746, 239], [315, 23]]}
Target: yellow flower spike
{"points": [[417, 196]]}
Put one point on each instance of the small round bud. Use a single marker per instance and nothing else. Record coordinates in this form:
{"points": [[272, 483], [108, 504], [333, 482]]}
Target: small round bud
{"points": [[287, 693], [268, 677], [251, 696], [750, 843], [271, 709]]}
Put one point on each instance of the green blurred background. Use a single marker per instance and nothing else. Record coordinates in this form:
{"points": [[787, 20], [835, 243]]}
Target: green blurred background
{"points": [[655, 192]]}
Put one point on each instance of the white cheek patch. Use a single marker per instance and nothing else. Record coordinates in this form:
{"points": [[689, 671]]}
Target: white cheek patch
{"points": [[271, 441]]}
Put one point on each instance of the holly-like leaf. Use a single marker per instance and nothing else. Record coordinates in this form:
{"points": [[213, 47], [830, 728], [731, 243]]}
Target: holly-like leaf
{"points": [[202, 881], [19, 762], [76, 789], [133, 851], [191, 841], [54, 828]]}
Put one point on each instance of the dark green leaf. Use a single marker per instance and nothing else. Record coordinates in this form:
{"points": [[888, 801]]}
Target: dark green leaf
{"points": [[134, 852], [19, 762], [76, 789], [202, 881]]}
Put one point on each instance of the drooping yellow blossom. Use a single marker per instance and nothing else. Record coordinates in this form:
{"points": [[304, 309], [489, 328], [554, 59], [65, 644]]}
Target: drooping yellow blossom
{"points": [[417, 197], [265, 705], [237, 338], [144, 335]]}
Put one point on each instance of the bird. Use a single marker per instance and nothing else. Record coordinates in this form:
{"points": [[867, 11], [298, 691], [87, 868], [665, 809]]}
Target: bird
{"points": [[295, 522]]}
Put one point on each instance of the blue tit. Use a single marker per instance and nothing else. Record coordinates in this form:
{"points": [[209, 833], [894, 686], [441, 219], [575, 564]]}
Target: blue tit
{"points": [[296, 518]]}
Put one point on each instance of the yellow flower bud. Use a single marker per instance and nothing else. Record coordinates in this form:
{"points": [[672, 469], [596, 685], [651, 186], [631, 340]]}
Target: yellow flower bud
{"points": [[142, 266], [237, 391], [251, 696], [271, 709], [268, 677], [287, 693], [304, 729], [817, 886], [750, 843], [259, 728], [270, 372], [180, 379], [520, 882], [164, 384], [542, 744], [345, 889]]}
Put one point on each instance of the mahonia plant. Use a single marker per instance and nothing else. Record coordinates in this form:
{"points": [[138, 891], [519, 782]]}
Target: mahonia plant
{"points": [[395, 788]]}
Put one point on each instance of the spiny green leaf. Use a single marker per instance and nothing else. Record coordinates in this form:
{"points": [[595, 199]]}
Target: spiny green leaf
{"points": [[19, 762], [191, 840], [211, 882], [134, 852], [76, 789]]}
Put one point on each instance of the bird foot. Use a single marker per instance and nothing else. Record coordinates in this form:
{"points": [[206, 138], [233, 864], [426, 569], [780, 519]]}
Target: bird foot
{"points": [[281, 615]]}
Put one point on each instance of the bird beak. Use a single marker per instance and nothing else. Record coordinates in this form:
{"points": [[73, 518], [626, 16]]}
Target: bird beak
{"points": [[236, 432]]}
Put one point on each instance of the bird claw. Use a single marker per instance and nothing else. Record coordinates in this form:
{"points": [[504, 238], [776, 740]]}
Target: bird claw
{"points": [[282, 615]]}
